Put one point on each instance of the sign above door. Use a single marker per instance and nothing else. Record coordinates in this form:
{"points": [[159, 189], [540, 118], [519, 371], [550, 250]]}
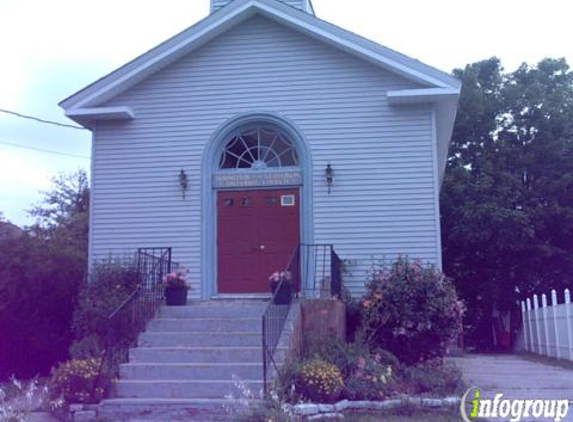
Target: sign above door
{"points": [[262, 179]]}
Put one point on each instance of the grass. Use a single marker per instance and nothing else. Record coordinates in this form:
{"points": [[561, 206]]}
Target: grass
{"points": [[408, 415], [559, 363]]}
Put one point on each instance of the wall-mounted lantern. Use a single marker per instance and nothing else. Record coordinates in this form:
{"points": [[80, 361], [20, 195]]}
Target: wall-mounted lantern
{"points": [[184, 182], [329, 173]]}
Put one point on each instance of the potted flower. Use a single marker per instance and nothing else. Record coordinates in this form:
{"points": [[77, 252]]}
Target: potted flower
{"points": [[281, 287], [175, 287]]}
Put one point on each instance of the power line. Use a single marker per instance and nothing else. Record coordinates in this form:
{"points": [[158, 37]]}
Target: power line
{"points": [[44, 150], [37, 119]]}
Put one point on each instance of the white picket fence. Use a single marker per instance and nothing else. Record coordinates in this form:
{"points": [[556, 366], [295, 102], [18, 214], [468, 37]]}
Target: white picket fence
{"points": [[548, 329]]}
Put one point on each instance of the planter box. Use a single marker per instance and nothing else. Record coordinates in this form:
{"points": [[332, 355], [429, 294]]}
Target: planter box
{"points": [[283, 296], [176, 295]]}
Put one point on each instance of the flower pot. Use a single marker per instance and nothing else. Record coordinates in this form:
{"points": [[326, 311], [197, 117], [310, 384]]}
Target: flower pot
{"points": [[176, 295], [283, 294]]}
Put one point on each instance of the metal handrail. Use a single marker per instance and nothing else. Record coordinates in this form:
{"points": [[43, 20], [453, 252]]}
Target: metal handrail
{"points": [[307, 262], [136, 310]]}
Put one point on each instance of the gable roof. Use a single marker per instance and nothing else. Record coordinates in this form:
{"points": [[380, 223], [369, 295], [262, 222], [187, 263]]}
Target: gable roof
{"points": [[230, 16], [438, 88]]}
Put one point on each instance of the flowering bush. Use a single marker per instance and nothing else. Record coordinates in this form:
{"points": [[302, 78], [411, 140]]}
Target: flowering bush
{"points": [[74, 381], [320, 381], [177, 278], [411, 310], [279, 276], [368, 379]]}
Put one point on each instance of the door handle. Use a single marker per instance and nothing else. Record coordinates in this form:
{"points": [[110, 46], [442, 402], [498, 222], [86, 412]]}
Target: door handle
{"points": [[260, 248]]}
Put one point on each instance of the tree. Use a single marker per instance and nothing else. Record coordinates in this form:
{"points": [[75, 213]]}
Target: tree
{"points": [[507, 203], [63, 216], [41, 272]]}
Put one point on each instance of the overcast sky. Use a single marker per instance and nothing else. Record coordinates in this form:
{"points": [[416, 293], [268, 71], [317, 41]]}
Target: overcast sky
{"points": [[51, 49]]}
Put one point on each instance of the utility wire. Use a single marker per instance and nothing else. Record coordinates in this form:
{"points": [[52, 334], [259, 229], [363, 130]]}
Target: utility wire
{"points": [[37, 119], [44, 150]]}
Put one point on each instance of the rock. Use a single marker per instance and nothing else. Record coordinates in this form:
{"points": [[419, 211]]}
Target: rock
{"points": [[326, 408], [413, 401], [85, 416], [359, 405], [76, 408], [341, 405], [432, 402], [452, 401], [327, 416], [387, 404], [306, 409]]}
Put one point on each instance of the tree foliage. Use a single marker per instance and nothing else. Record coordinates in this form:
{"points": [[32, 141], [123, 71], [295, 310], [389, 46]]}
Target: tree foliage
{"points": [[41, 272], [507, 197]]}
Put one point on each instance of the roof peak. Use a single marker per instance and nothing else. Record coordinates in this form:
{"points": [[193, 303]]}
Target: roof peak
{"points": [[304, 5]]}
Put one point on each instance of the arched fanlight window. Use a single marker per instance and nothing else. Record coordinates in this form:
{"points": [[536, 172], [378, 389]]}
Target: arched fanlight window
{"points": [[259, 148]]}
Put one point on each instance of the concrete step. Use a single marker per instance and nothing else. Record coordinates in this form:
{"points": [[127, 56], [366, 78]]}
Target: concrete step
{"points": [[204, 324], [196, 339], [168, 410], [234, 310], [199, 354], [195, 371], [175, 389]]}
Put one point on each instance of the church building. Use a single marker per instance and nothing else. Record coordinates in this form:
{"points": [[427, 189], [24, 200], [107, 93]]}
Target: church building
{"points": [[260, 128]]}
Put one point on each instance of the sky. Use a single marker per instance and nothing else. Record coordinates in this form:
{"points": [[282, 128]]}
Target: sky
{"points": [[51, 49]]}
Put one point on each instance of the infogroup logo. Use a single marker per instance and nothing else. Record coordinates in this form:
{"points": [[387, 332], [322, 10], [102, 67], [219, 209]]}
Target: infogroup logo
{"points": [[475, 406]]}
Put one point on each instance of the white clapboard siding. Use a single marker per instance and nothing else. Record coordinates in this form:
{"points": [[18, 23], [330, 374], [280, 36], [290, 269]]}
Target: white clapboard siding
{"points": [[299, 4], [383, 200]]}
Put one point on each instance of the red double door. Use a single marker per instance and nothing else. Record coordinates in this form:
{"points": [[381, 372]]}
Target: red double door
{"points": [[257, 232]]}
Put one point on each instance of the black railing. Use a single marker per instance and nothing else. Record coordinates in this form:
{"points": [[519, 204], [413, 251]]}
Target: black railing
{"points": [[313, 271], [129, 319], [321, 275]]}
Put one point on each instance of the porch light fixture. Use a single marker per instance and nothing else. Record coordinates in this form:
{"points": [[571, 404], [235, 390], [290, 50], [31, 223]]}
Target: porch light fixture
{"points": [[329, 173], [184, 182]]}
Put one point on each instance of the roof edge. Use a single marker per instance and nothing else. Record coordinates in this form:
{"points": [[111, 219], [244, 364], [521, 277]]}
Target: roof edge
{"points": [[234, 13]]}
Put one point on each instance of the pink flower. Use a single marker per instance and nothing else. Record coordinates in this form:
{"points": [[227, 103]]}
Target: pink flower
{"points": [[361, 363]]}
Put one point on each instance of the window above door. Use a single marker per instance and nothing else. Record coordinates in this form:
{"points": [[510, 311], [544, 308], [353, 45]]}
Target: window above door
{"points": [[259, 148]]}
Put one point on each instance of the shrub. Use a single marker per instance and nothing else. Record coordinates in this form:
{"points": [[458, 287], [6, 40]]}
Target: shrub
{"points": [[353, 319], [111, 282], [39, 285], [386, 358], [411, 310], [433, 377], [320, 381], [368, 379], [74, 381]]}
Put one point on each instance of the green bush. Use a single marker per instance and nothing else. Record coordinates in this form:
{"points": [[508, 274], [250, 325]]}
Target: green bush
{"points": [[433, 377], [39, 285], [353, 319], [411, 310], [368, 379], [319, 381], [75, 381], [111, 282]]}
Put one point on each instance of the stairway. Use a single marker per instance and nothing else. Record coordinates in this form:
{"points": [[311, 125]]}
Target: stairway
{"points": [[188, 360]]}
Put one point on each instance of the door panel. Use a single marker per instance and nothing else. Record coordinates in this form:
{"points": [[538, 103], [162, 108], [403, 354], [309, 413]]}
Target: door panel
{"points": [[256, 235]]}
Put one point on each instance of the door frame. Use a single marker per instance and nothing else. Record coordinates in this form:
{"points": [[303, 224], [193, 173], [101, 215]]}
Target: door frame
{"points": [[209, 193]]}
